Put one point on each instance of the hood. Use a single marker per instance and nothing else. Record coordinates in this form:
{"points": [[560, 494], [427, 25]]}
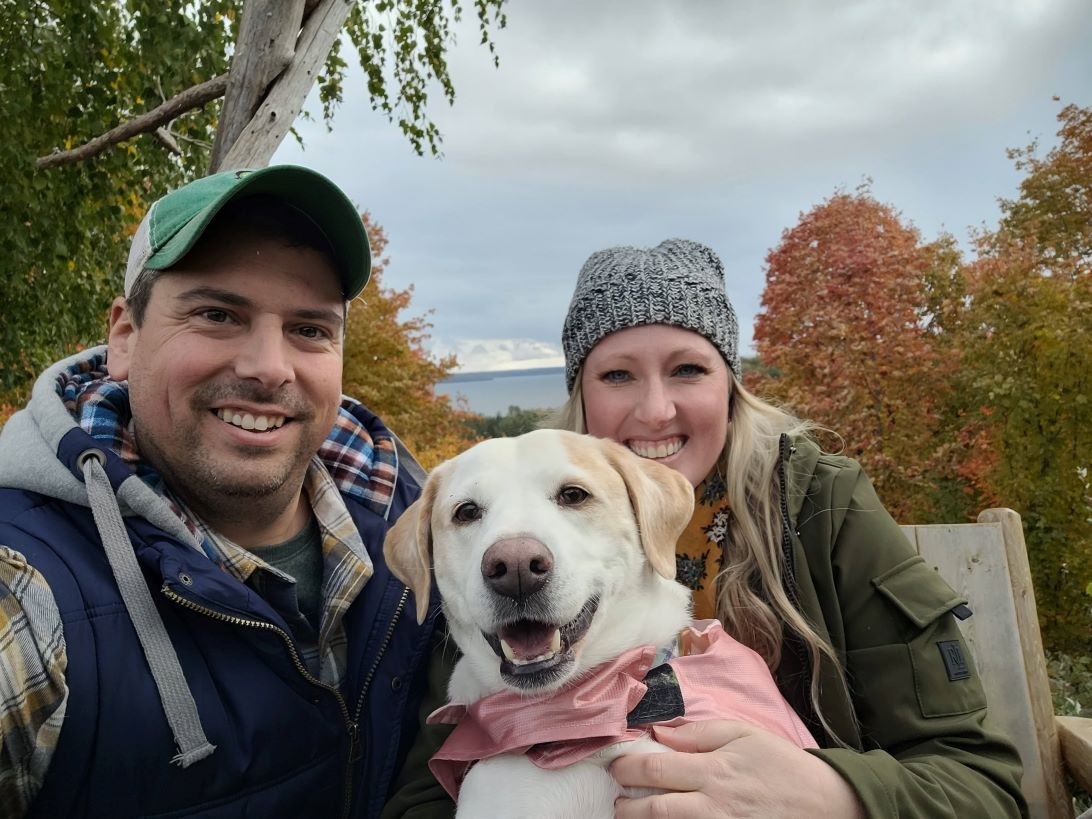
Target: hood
{"points": [[31, 437]]}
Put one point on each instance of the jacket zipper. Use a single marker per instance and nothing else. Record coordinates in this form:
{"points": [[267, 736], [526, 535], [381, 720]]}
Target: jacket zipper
{"points": [[784, 450]]}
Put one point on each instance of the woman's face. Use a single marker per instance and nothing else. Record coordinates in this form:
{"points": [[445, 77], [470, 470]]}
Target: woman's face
{"points": [[663, 392]]}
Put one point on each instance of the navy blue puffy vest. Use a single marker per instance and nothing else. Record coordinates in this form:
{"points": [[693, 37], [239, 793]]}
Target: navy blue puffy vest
{"points": [[284, 746]]}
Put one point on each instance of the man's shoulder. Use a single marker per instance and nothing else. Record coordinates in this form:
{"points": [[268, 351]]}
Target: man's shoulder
{"points": [[16, 503]]}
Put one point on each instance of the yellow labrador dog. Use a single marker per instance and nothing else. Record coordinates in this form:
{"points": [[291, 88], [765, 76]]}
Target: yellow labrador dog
{"points": [[554, 554]]}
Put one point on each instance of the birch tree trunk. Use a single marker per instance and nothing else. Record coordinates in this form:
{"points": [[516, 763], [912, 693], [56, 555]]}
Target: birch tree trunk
{"points": [[284, 99], [265, 47]]}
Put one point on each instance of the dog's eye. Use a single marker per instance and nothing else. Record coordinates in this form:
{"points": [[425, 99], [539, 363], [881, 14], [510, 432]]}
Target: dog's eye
{"points": [[467, 511], [572, 496]]}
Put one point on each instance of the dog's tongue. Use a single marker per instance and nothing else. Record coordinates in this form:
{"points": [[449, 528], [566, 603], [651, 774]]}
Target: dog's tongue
{"points": [[527, 639]]}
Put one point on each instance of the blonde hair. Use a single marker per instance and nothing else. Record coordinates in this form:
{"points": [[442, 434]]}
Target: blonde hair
{"points": [[751, 598]]}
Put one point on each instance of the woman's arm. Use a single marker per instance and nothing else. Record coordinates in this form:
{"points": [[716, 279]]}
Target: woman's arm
{"points": [[929, 746]]}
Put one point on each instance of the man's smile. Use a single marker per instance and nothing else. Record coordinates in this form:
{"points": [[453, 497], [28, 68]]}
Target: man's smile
{"points": [[246, 420]]}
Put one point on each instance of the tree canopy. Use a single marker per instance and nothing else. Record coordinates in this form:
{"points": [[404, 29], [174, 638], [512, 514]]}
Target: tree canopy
{"points": [[72, 69], [842, 325], [137, 81], [516, 421], [1027, 336], [959, 384]]}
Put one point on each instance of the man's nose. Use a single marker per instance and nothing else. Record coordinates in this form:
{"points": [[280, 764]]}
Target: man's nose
{"points": [[656, 406], [265, 357]]}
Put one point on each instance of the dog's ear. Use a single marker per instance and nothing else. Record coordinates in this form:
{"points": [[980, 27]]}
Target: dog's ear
{"points": [[662, 499], [408, 547]]}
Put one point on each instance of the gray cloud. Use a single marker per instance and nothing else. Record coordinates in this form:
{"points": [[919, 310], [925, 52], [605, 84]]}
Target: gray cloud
{"points": [[615, 122]]}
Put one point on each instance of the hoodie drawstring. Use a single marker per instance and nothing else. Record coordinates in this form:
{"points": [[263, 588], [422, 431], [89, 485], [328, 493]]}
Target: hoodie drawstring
{"points": [[174, 693]]}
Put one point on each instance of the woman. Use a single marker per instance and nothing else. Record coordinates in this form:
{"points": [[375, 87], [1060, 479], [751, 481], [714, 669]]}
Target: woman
{"points": [[791, 549]]}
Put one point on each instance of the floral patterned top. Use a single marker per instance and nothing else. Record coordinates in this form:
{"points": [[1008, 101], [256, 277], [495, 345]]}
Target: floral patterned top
{"points": [[698, 554]]}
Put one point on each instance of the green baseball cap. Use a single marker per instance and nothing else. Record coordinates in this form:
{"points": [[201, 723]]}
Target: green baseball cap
{"points": [[176, 221]]}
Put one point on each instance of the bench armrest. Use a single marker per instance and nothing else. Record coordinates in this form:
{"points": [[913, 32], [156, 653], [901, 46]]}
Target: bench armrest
{"points": [[1075, 735]]}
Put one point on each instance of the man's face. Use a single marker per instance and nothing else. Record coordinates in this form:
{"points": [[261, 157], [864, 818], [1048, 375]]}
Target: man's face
{"points": [[235, 374]]}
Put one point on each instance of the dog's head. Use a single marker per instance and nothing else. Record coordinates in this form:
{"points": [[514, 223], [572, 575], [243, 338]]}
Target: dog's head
{"points": [[552, 551]]}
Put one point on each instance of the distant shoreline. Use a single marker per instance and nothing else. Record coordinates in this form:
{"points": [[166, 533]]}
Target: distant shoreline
{"points": [[494, 392], [490, 375]]}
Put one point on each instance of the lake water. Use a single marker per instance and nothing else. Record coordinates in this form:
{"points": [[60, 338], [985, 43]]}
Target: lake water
{"points": [[492, 393]]}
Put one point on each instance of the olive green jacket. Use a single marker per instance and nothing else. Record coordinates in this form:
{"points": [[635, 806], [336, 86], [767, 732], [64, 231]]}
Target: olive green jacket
{"points": [[919, 742]]}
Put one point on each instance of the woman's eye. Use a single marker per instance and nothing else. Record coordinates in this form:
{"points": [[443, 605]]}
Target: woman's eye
{"points": [[572, 496], [690, 370], [615, 376], [467, 512]]}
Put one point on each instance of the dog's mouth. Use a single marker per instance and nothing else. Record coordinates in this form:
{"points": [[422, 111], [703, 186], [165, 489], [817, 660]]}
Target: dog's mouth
{"points": [[534, 654]]}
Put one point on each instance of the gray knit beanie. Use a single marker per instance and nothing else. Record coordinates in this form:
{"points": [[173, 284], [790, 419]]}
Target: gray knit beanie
{"points": [[679, 282]]}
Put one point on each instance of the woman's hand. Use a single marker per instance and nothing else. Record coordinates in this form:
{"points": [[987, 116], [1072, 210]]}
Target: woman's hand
{"points": [[731, 769]]}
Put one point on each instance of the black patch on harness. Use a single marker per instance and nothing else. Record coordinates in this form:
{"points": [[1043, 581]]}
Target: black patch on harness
{"points": [[662, 701], [954, 661]]}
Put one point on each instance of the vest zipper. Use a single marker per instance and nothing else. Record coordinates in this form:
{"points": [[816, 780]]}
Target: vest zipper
{"points": [[352, 724], [354, 733]]}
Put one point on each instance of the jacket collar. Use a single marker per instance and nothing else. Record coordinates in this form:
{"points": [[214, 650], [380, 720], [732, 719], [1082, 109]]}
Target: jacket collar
{"points": [[797, 458]]}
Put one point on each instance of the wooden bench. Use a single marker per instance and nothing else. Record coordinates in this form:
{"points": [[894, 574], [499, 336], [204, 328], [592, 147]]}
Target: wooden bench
{"points": [[987, 562]]}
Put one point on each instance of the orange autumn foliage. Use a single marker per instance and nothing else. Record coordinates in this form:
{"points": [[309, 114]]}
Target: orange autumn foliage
{"points": [[845, 340]]}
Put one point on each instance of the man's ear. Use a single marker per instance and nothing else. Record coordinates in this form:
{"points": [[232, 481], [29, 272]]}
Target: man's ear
{"points": [[123, 334]]}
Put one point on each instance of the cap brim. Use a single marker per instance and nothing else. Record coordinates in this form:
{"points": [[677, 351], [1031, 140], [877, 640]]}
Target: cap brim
{"points": [[309, 191]]}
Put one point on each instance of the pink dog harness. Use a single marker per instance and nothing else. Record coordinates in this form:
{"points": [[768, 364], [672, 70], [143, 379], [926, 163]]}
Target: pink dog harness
{"points": [[718, 676]]}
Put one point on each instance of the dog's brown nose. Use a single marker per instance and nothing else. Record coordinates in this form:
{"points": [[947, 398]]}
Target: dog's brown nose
{"points": [[517, 567]]}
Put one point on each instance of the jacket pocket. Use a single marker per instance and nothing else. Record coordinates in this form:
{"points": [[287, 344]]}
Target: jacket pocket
{"points": [[934, 658], [917, 591]]}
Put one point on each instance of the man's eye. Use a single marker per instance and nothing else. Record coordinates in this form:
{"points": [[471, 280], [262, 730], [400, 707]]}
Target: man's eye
{"points": [[313, 332], [216, 316], [467, 512], [572, 495]]}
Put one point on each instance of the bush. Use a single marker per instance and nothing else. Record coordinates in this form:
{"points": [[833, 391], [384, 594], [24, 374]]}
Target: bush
{"points": [[1071, 690], [516, 422]]}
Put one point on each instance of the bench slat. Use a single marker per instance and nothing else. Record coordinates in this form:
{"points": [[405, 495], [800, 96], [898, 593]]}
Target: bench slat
{"points": [[994, 576]]}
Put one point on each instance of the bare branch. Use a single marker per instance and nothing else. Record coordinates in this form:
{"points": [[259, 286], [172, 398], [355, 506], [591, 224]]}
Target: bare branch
{"points": [[168, 140], [179, 104]]}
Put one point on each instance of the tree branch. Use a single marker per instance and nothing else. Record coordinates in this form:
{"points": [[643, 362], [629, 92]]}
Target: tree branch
{"points": [[189, 99], [168, 140]]}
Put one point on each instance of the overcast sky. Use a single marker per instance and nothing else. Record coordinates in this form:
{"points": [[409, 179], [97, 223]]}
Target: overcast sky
{"points": [[614, 122]]}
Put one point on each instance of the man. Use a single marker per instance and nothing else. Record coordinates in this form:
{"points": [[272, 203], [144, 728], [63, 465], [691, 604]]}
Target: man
{"points": [[195, 616]]}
